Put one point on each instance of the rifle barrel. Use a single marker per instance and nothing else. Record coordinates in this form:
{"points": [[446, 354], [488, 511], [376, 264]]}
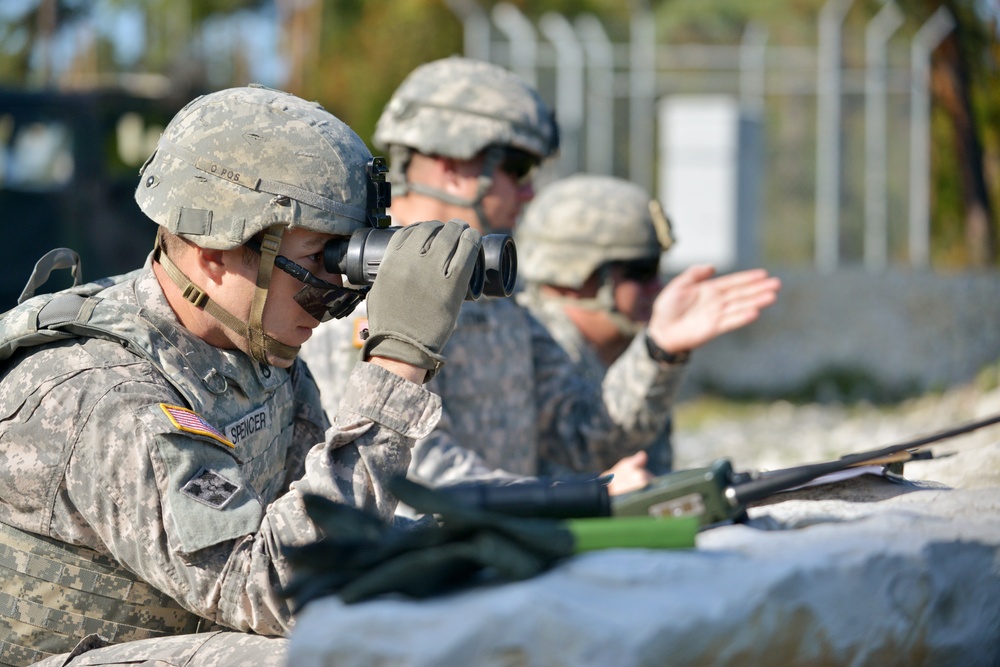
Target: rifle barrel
{"points": [[782, 480]]}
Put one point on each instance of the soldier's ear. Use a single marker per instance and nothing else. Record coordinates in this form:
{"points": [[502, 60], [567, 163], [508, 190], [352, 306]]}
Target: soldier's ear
{"points": [[215, 263], [455, 174]]}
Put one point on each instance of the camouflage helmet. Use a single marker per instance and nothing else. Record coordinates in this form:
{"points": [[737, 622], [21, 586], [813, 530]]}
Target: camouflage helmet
{"points": [[577, 224], [456, 107], [235, 162]]}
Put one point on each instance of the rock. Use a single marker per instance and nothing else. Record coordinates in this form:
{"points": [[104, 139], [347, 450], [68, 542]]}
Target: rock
{"points": [[865, 572], [862, 572]]}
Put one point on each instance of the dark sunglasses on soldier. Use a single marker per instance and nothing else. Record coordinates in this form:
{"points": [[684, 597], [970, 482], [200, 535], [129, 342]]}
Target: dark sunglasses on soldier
{"points": [[640, 270], [519, 165], [322, 300]]}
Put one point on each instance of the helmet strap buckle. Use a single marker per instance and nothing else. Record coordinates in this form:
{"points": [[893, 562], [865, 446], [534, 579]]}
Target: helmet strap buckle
{"points": [[195, 295]]}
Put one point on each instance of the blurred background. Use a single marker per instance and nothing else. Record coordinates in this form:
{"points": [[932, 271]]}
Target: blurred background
{"points": [[850, 146]]}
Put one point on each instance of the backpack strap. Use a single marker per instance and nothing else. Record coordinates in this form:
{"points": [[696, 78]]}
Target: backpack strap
{"points": [[60, 258], [49, 318]]}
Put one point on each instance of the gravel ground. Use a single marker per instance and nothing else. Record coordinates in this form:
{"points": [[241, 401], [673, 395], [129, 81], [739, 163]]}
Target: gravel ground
{"points": [[778, 434]]}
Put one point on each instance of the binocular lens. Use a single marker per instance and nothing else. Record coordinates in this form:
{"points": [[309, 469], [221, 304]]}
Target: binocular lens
{"points": [[359, 258], [500, 264]]}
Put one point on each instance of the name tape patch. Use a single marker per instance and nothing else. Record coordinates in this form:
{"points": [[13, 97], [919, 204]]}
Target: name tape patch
{"points": [[192, 422], [247, 425], [210, 488]]}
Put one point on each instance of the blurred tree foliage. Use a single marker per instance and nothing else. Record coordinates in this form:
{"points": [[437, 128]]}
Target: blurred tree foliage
{"points": [[351, 54], [966, 83], [20, 32], [368, 48]]}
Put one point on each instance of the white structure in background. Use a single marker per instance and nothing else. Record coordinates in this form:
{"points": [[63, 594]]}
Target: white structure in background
{"points": [[608, 95], [709, 180]]}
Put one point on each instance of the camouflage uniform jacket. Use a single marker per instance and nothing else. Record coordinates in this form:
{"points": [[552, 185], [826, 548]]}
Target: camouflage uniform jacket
{"points": [[190, 471], [550, 313], [514, 404]]}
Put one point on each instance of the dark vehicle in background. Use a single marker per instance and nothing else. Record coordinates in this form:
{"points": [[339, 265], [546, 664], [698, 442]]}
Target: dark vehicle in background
{"points": [[69, 165]]}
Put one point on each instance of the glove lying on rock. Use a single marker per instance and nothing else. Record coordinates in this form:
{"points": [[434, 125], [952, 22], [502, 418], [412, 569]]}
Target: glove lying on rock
{"points": [[361, 557]]}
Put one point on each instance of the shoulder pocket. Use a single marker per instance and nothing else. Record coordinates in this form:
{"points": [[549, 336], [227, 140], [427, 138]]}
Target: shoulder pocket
{"points": [[208, 498]]}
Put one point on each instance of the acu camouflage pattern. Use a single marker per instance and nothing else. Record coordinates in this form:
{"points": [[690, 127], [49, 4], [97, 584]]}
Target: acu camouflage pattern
{"points": [[578, 223], [211, 649], [61, 594], [551, 314], [93, 462], [233, 163], [514, 404], [332, 352], [456, 107]]}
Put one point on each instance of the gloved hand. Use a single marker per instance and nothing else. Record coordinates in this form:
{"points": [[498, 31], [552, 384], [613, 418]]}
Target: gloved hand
{"points": [[360, 557], [414, 303]]}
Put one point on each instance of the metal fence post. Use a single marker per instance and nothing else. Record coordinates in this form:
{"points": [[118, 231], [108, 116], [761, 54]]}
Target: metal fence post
{"points": [[569, 87], [925, 41], [877, 34], [828, 114]]}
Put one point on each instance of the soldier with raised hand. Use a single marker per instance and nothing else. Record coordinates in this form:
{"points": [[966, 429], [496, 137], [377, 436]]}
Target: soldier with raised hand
{"points": [[590, 249], [465, 138], [158, 430]]}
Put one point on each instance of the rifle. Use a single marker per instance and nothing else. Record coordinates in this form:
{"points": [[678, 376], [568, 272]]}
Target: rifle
{"points": [[714, 494], [519, 530]]}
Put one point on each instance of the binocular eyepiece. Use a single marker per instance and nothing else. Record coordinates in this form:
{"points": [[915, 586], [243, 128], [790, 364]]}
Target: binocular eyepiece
{"points": [[359, 259]]}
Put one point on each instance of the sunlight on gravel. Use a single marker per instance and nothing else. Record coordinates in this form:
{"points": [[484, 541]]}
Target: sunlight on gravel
{"points": [[778, 434]]}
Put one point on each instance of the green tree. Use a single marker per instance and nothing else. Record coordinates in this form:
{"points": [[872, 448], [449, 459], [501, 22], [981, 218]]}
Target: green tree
{"points": [[965, 83], [21, 33]]}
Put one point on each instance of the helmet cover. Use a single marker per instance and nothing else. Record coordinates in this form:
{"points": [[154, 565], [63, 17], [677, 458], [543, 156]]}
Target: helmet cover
{"points": [[456, 107], [582, 222], [235, 162]]}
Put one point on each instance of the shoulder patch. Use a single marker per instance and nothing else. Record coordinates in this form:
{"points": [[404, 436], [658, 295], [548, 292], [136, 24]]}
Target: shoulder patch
{"points": [[192, 422], [360, 325], [210, 488]]}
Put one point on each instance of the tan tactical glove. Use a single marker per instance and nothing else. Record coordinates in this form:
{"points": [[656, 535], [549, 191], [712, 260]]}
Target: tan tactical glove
{"points": [[421, 284]]}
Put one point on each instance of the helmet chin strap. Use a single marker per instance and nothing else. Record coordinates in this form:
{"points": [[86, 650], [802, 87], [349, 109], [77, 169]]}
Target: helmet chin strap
{"points": [[492, 158], [260, 343], [603, 302]]}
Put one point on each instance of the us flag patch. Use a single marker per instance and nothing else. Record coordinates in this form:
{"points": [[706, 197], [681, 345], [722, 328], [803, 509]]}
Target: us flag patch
{"points": [[192, 422]]}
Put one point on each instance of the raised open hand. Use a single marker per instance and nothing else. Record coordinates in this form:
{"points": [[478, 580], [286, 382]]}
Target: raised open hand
{"points": [[696, 307]]}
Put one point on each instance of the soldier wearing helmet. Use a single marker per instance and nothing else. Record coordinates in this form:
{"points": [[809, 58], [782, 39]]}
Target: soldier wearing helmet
{"points": [[465, 135], [590, 249], [159, 430], [597, 230], [464, 138]]}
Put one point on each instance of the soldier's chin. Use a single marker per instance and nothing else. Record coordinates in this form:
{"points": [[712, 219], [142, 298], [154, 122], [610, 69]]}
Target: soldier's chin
{"points": [[273, 359], [278, 362]]}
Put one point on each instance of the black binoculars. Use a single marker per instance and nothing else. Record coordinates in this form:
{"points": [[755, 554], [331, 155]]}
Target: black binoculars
{"points": [[359, 258]]}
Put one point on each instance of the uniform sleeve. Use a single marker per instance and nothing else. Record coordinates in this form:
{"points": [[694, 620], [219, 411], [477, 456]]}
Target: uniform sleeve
{"points": [[441, 459], [588, 427], [175, 509]]}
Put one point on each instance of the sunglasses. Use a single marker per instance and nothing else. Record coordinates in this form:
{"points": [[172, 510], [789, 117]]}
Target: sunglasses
{"points": [[640, 270], [322, 300], [519, 165]]}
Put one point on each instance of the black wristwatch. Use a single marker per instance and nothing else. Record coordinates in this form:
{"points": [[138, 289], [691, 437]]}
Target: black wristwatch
{"points": [[657, 353]]}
